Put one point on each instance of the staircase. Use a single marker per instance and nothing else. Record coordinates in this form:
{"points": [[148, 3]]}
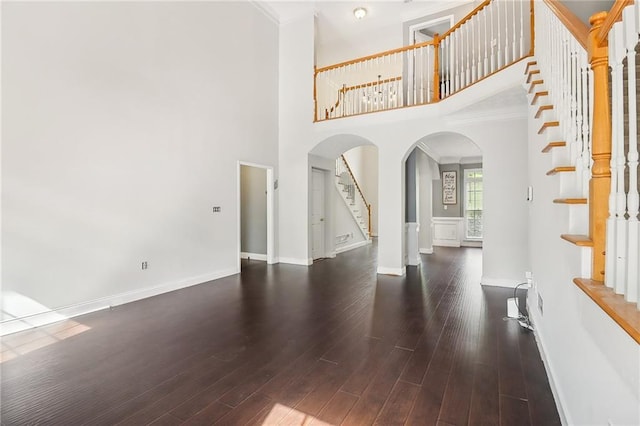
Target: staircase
{"points": [[353, 196], [588, 142]]}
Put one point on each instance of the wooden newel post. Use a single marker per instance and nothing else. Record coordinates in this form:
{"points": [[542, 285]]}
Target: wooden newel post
{"points": [[600, 183], [436, 68]]}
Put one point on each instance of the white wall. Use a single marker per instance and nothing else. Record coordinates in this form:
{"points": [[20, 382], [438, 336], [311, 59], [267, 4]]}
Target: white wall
{"points": [[425, 205], [593, 364], [122, 127], [295, 125], [363, 161], [253, 210]]}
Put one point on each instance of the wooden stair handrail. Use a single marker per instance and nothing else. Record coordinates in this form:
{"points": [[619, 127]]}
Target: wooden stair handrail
{"points": [[614, 15], [578, 28], [469, 15], [344, 160]]}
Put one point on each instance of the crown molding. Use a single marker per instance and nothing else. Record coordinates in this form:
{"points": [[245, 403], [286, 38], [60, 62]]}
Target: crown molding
{"points": [[267, 10]]}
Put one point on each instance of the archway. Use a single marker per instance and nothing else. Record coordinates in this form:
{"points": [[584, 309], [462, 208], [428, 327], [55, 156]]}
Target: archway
{"points": [[343, 195], [443, 194]]}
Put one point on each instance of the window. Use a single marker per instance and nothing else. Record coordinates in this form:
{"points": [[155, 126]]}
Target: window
{"points": [[473, 203]]}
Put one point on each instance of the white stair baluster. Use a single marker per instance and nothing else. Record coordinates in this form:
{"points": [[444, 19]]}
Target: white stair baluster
{"points": [[616, 54], [487, 41], [633, 198], [492, 39], [513, 29]]}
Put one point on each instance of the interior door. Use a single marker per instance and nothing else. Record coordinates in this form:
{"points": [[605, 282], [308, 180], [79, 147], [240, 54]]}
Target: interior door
{"points": [[317, 214]]}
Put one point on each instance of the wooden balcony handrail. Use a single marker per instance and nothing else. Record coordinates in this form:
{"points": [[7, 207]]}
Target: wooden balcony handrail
{"points": [[470, 15], [614, 15], [377, 55], [578, 28]]}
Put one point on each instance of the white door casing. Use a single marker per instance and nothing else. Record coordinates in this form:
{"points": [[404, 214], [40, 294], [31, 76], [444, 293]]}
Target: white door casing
{"points": [[317, 214]]}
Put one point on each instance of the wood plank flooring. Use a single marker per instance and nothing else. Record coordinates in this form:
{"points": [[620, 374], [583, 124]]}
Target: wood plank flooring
{"points": [[330, 344]]}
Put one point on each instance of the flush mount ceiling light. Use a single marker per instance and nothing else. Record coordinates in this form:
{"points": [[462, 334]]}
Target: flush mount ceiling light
{"points": [[359, 12]]}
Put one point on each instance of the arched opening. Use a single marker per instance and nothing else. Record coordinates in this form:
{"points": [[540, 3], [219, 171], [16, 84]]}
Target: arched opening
{"points": [[343, 195], [443, 194]]}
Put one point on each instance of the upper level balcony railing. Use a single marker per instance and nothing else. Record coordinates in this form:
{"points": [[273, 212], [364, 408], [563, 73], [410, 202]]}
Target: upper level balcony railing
{"points": [[494, 35]]}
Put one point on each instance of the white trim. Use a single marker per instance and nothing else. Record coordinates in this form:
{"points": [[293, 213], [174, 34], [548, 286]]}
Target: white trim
{"points": [[499, 282], [296, 261], [253, 256], [352, 246], [557, 396], [471, 243], [392, 271], [270, 212], [49, 317], [426, 250]]}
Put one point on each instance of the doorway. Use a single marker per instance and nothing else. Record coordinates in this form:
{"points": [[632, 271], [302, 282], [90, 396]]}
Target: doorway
{"points": [[318, 210], [255, 213], [417, 67]]}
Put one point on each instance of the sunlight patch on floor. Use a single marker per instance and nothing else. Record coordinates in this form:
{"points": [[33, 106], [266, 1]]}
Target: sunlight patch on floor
{"points": [[14, 345], [283, 415]]}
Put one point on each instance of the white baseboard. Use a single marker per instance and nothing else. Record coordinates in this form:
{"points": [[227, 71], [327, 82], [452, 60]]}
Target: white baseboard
{"points": [[49, 317], [414, 261], [446, 243], [352, 246], [557, 396], [426, 250], [253, 256], [499, 282], [467, 243], [392, 271], [296, 261]]}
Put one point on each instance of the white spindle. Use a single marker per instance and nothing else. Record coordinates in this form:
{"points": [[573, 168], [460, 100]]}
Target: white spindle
{"points": [[487, 42], [513, 29], [499, 40], [633, 198], [493, 53], [521, 28], [478, 43], [614, 260]]}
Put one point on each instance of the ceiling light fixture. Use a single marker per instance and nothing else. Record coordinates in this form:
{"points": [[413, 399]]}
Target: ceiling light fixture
{"points": [[359, 12]]}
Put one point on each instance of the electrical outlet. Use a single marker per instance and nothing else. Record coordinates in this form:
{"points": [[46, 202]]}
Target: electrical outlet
{"points": [[540, 305], [216, 209], [145, 265]]}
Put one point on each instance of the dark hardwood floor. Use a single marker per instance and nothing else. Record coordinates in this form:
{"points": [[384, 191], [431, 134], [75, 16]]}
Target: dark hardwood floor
{"points": [[330, 344]]}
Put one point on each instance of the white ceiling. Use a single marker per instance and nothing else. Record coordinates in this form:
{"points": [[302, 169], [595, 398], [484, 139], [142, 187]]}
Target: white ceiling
{"points": [[336, 21]]}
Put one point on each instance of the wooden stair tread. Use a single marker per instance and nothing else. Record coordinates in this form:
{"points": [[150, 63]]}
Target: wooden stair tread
{"points": [[570, 201], [579, 240], [548, 124], [534, 83], [625, 314], [561, 169], [529, 65], [551, 145], [542, 109], [531, 74], [538, 95]]}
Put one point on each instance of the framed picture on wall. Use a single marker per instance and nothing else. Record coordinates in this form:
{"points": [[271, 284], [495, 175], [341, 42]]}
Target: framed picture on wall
{"points": [[449, 187]]}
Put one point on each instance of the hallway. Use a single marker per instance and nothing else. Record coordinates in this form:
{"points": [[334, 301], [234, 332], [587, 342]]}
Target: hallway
{"points": [[330, 344]]}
